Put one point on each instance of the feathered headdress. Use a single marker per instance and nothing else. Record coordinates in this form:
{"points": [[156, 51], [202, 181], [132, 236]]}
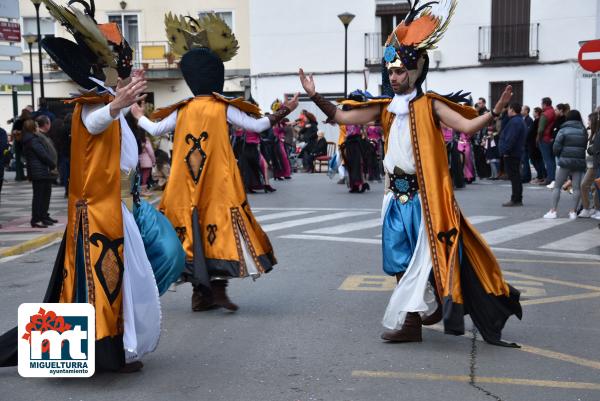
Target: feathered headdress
{"points": [[421, 30], [186, 33], [100, 50]]}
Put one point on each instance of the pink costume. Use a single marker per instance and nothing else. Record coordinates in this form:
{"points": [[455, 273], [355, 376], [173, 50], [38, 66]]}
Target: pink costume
{"points": [[464, 146], [283, 170]]}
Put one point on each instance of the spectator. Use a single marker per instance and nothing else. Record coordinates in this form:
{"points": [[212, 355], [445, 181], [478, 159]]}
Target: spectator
{"points": [[312, 150], [491, 153], [569, 147], [44, 111], [147, 161], [44, 126], [590, 173], [511, 147], [39, 165], [17, 145], [533, 147], [525, 166], [163, 169], [545, 140]]}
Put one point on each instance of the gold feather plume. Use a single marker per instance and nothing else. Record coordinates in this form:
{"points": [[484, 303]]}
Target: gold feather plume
{"points": [[77, 22], [186, 33]]}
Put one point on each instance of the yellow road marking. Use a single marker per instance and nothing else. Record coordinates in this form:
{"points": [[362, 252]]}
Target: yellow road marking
{"points": [[554, 262], [563, 298], [560, 356], [367, 282], [551, 281], [467, 379]]}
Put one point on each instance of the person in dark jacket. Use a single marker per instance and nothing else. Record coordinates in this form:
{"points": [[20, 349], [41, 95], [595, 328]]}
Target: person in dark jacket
{"points": [[525, 164], [39, 165], [512, 147], [569, 147], [535, 155]]}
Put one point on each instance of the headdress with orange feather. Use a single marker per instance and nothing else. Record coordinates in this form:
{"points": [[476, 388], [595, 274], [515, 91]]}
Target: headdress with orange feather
{"points": [[421, 30]]}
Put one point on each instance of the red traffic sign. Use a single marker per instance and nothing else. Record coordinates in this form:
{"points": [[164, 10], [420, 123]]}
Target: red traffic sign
{"points": [[589, 56], [10, 31]]}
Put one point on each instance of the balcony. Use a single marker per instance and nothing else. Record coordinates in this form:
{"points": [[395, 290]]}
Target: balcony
{"points": [[373, 49], [509, 43]]}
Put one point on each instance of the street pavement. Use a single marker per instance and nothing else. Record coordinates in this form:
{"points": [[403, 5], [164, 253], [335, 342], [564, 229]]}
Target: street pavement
{"points": [[310, 329]]}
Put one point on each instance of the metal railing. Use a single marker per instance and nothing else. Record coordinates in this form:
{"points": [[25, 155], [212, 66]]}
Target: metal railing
{"points": [[373, 49], [507, 42]]}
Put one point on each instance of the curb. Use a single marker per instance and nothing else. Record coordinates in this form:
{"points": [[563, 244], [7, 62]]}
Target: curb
{"points": [[31, 244]]}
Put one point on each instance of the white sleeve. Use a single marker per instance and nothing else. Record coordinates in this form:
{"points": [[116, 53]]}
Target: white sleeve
{"points": [[240, 119], [96, 117], [164, 126]]}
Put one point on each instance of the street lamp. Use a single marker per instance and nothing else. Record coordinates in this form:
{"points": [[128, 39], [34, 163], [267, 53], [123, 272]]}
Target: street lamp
{"points": [[346, 19], [37, 3], [31, 38]]}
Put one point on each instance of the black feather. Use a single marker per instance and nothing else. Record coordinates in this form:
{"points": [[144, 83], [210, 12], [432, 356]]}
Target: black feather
{"points": [[457, 97], [414, 11], [90, 8]]}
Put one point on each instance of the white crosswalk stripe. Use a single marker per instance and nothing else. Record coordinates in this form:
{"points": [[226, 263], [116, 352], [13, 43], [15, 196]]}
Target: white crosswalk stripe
{"points": [[520, 230], [317, 228], [579, 242], [348, 227], [311, 220], [483, 219], [280, 215]]}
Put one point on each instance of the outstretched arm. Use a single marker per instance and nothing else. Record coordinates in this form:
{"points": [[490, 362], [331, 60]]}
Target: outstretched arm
{"points": [[457, 122], [360, 116], [165, 126]]}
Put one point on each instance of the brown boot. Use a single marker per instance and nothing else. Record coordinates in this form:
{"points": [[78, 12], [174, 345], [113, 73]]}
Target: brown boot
{"points": [[410, 331], [201, 302], [220, 297]]}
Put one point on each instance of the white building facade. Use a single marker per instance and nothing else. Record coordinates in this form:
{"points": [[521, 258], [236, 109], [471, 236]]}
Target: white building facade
{"points": [[532, 44]]}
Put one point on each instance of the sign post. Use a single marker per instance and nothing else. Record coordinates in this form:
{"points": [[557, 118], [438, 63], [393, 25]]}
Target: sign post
{"points": [[10, 31]]}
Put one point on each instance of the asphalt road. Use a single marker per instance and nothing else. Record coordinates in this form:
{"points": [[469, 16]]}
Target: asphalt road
{"points": [[310, 329]]}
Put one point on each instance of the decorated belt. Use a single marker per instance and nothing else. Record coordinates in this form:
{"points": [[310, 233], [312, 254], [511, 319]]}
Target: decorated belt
{"points": [[403, 186]]}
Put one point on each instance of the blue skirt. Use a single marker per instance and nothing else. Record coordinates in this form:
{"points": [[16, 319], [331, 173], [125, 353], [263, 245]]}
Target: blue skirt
{"points": [[399, 234]]}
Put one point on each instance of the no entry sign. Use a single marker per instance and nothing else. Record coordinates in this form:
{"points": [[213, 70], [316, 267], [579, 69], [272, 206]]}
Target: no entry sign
{"points": [[589, 56]]}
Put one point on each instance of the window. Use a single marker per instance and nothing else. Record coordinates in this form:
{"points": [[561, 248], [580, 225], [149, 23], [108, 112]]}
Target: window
{"points": [[390, 15], [128, 24], [226, 16], [510, 28], [496, 89], [30, 27]]}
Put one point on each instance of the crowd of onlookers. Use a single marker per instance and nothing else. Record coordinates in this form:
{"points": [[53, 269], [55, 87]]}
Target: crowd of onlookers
{"points": [[555, 142]]}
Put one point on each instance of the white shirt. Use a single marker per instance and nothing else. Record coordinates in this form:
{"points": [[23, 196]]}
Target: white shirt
{"points": [[400, 150], [234, 116]]}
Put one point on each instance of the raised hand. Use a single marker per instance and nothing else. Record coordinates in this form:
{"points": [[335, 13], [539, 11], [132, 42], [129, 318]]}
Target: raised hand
{"points": [[128, 94], [308, 83], [291, 103], [137, 110], [504, 99]]}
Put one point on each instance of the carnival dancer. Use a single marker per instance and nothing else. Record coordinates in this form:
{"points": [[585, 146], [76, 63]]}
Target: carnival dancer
{"points": [[102, 258], [353, 154], [374, 156], [205, 198], [281, 163], [424, 230]]}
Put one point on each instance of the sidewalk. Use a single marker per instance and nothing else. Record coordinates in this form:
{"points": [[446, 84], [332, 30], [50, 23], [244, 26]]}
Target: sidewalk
{"points": [[16, 235]]}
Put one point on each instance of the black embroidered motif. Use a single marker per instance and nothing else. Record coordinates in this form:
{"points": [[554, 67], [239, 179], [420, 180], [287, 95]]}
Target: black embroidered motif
{"points": [[109, 267], [196, 157], [212, 233], [445, 237], [180, 233]]}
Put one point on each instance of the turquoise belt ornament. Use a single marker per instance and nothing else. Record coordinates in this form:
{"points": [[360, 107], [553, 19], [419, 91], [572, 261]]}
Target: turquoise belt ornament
{"points": [[404, 186]]}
